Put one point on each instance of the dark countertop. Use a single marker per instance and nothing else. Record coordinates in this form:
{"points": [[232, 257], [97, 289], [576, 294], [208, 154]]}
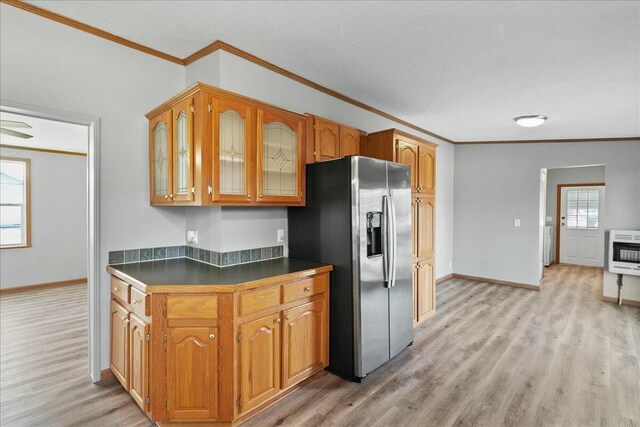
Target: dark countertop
{"points": [[185, 272]]}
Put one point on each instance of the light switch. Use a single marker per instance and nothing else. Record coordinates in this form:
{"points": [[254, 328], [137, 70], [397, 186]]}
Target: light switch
{"points": [[516, 222], [280, 236]]}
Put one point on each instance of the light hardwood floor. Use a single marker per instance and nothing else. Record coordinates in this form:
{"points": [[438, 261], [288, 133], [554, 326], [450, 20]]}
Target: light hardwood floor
{"points": [[493, 355]]}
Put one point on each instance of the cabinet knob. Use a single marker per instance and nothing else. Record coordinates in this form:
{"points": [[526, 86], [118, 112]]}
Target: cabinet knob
{"points": [[116, 289], [278, 320], [212, 336], [135, 301], [166, 196], [249, 196], [307, 289], [124, 319], [286, 317], [261, 196], [171, 197]]}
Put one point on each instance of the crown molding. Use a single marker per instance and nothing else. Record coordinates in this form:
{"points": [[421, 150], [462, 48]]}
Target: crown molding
{"points": [[220, 45], [547, 141]]}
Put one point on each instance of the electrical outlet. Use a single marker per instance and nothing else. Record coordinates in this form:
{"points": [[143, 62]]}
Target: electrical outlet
{"points": [[516, 222], [280, 236], [192, 237]]}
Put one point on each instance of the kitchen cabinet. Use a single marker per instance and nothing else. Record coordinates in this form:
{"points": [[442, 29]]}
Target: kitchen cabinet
{"points": [[259, 360], [233, 163], [332, 140], [139, 360], [280, 164], [304, 346], [129, 359], [160, 158], [120, 343], [208, 146], [420, 156], [425, 290], [192, 373], [218, 354], [424, 227]]}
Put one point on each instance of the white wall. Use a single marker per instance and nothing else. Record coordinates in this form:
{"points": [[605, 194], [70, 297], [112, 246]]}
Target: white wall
{"points": [[233, 73], [494, 184], [58, 222], [44, 63]]}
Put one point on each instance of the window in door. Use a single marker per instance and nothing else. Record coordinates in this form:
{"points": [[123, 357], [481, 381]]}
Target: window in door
{"points": [[583, 209], [14, 203]]}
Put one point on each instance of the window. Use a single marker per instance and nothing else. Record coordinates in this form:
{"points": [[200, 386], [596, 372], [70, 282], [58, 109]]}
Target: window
{"points": [[14, 203], [582, 209]]}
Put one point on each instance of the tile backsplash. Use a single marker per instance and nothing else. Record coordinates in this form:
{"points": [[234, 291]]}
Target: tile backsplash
{"points": [[219, 259]]}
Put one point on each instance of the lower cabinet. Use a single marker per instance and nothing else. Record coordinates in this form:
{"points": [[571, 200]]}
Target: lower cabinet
{"points": [[130, 339], [304, 346], [192, 373], [120, 343], [218, 358], [424, 288], [259, 361], [139, 361]]}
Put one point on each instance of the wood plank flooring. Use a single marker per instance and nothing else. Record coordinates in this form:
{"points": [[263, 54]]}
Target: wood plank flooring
{"points": [[493, 356]]}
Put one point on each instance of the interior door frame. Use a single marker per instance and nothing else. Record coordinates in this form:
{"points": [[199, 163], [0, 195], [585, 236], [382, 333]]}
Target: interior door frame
{"points": [[93, 214], [558, 210]]}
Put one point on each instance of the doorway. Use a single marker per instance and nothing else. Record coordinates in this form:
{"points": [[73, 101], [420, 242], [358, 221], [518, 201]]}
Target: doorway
{"points": [[581, 235], [90, 206]]}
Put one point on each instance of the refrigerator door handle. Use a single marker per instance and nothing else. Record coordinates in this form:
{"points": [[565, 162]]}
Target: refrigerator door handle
{"points": [[385, 242], [392, 242]]}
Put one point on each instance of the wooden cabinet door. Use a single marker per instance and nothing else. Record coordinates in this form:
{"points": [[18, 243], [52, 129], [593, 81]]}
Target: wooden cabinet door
{"points": [[414, 284], [280, 165], [160, 158], [425, 290], [304, 346], [192, 373], [183, 170], [426, 170], [259, 360], [139, 361], [414, 227], [407, 154], [425, 219], [327, 139], [120, 343], [349, 141], [233, 163]]}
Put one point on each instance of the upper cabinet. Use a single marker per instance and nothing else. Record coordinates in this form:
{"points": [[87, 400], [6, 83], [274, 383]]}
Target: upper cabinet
{"points": [[208, 146], [280, 164], [332, 140]]}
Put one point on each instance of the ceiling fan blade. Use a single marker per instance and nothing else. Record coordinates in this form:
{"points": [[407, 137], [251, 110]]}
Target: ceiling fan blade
{"points": [[15, 133], [13, 124]]}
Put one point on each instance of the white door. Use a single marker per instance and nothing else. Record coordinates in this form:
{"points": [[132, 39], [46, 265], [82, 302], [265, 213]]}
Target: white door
{"points": [[581, 231]]}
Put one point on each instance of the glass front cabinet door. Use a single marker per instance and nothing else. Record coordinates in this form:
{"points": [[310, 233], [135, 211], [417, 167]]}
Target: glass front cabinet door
{"points": [[160, 158], [183, 189], [232, 167], [280, 171]]}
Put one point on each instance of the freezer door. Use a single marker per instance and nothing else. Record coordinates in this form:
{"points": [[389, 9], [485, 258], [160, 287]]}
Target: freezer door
{"points": [[401, 291], [371, 297]]}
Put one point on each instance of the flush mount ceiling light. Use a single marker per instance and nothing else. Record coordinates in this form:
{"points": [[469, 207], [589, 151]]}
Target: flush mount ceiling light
{"points": [[530, 121]]}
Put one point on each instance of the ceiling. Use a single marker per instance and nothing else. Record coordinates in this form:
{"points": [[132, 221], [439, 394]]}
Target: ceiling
{"points": [[463, 70], [47, 134]]}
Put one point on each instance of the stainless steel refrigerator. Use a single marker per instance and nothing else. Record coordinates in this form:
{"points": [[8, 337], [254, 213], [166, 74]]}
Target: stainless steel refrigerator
{"points": [[358, 218]]}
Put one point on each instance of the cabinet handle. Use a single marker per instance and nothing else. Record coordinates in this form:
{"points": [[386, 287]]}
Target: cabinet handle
{"points": [[135, 301], [278, 320], [307, 289], [212, 336], [210, 190]]}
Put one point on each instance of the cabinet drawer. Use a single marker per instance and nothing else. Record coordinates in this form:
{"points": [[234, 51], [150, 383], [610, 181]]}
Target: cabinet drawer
{"points": [[192, 307], [305, 288], [139, 302], [254, 301], [120, 289]]}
